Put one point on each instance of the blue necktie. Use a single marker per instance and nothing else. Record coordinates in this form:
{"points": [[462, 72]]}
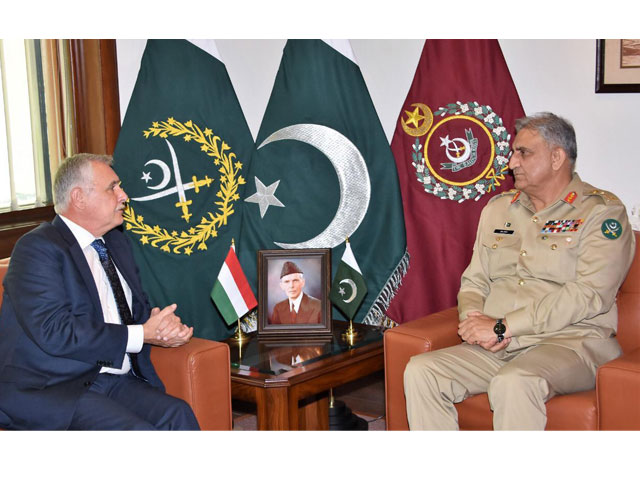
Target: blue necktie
{"points": [[116, 286], [118, 294]]}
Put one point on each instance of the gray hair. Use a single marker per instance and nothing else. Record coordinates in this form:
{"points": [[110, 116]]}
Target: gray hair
{"points": [[556, 131], [72, 173]]}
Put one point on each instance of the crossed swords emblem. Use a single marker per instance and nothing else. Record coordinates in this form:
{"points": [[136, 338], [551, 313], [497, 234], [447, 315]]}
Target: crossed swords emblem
{"points": [[180, 188]]}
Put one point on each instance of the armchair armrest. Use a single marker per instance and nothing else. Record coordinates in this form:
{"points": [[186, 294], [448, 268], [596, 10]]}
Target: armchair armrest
{"points": [[618, 391], [435, 331], [198, 373]]}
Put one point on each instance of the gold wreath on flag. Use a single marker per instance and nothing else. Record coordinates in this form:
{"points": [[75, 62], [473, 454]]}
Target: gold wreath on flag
{"points": [[229, 168]]}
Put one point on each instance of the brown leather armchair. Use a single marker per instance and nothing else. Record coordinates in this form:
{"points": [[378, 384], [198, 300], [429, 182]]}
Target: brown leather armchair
{"points": [[613, 405], [198, 373]]}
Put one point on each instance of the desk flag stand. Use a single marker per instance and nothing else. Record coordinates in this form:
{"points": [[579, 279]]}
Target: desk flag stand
{"points": [[347, 293], [239, 335], [232, 293]]}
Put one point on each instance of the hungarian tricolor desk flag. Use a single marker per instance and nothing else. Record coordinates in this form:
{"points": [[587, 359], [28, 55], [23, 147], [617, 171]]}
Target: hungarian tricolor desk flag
{"points": [[323, 171], [182, 154], [348, 288], [452, 149], [231, 293]]}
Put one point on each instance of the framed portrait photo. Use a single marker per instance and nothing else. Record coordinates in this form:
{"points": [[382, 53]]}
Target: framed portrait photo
{"points": [[618, 66], [293, 293]]}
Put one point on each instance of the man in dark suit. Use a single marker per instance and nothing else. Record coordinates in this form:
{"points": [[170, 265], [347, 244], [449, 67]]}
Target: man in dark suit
{"points": [[298, 307], [76, 327]]}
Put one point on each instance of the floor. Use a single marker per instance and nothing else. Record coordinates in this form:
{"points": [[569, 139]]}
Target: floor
{"points": [[365, 397]]}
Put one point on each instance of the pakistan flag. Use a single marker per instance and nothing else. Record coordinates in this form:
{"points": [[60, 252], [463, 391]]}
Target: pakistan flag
{"points": [[323, 171], [182, 154]]}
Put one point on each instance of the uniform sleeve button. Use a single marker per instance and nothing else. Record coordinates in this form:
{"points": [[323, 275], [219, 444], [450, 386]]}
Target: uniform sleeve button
{"points": [[494, 246], [521, 282], [523, 253], [554, 246]]}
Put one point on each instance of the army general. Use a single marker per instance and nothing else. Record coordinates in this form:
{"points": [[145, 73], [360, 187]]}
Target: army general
{"points": [[537, 303]]}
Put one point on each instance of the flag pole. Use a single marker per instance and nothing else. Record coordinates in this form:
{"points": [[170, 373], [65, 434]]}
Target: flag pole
{"points": [[350, 335], [239, 336]]}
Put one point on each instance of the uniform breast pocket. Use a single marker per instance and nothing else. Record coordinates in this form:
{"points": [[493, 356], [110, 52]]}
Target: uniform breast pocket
{"points": [[502, 252], [557, 257]]}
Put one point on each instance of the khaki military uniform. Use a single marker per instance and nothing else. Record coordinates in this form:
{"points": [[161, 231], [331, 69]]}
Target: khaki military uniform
{"points": [[553, 276]]}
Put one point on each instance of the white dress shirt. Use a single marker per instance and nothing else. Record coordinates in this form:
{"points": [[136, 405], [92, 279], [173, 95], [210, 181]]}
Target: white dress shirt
{"points": [[135, 339]]}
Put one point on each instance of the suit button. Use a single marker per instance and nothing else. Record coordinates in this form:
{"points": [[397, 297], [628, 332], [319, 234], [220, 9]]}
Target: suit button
{"points": [[87, 384]]}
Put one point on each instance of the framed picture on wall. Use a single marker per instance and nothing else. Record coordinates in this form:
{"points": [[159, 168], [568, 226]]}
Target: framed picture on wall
{"points": [[618, 66], [293, 292]]}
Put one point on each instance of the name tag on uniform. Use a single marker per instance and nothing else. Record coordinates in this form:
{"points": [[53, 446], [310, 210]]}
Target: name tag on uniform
{"points": [[503, 232]]}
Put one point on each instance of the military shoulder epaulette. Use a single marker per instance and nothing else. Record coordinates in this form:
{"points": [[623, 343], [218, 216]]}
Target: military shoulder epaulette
{"points": [[513, 191], [608, 197]]}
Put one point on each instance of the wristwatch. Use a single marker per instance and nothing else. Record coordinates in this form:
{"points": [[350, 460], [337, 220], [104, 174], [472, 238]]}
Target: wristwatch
{"points": [[499, 329]]}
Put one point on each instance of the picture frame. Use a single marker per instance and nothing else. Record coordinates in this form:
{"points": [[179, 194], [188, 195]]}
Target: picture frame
{"points": [[618, 66], [302, 275]]}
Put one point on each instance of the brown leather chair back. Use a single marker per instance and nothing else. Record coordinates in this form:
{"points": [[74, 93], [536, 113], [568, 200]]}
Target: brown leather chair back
{"points": [[629, 305]]}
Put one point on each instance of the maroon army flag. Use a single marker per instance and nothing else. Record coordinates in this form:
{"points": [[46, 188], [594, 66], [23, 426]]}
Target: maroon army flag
{"points": [[452, 147]]}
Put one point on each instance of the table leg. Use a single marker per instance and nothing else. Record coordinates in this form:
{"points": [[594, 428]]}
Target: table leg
{"points": [[313, 413], [272, 409]]}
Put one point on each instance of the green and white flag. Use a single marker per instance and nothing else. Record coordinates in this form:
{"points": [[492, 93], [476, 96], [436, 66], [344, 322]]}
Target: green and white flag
{"points": [[323, 171], [182, 154], [231, 293], [348, 288]]}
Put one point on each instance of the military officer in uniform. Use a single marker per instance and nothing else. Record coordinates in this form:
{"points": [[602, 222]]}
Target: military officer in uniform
{"points": [[537, 302]]}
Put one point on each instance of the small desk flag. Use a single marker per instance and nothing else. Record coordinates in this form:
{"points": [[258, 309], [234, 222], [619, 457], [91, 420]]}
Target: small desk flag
{"points": [[348, 288], [231, 293]]}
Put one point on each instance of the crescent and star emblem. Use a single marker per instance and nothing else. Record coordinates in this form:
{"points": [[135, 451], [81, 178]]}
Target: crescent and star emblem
{"points": [[421, 113], [353, 178], [180, 188], [354, 290], [457, 150]]}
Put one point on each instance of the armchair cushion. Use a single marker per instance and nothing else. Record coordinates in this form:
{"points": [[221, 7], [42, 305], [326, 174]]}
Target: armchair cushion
{"points": [[618, 387], [425, 334], [199, 373]]}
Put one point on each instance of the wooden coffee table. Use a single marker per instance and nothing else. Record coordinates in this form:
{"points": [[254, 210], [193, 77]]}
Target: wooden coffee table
{"points": [[289, 380]]}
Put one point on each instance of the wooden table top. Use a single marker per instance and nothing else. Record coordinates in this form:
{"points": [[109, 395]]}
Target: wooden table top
{"points": [[273, 361]]}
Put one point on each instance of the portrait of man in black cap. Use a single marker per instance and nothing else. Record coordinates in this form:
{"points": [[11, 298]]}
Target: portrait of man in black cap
{"points": [[298, 308]]}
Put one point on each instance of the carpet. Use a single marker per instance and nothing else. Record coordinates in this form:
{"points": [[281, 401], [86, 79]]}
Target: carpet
{"points": [[249, 422]]}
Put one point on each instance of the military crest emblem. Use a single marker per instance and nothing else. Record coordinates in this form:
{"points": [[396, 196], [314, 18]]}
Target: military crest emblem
{"points": [[179, 189], [611, 229], [461, 150]]}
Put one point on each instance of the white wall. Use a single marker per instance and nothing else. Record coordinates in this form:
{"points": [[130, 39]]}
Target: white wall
{"points": [[550, 75]]}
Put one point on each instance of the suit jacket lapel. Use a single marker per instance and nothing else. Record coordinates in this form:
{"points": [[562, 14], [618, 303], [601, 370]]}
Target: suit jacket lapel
{"points": [[80, 261]]}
